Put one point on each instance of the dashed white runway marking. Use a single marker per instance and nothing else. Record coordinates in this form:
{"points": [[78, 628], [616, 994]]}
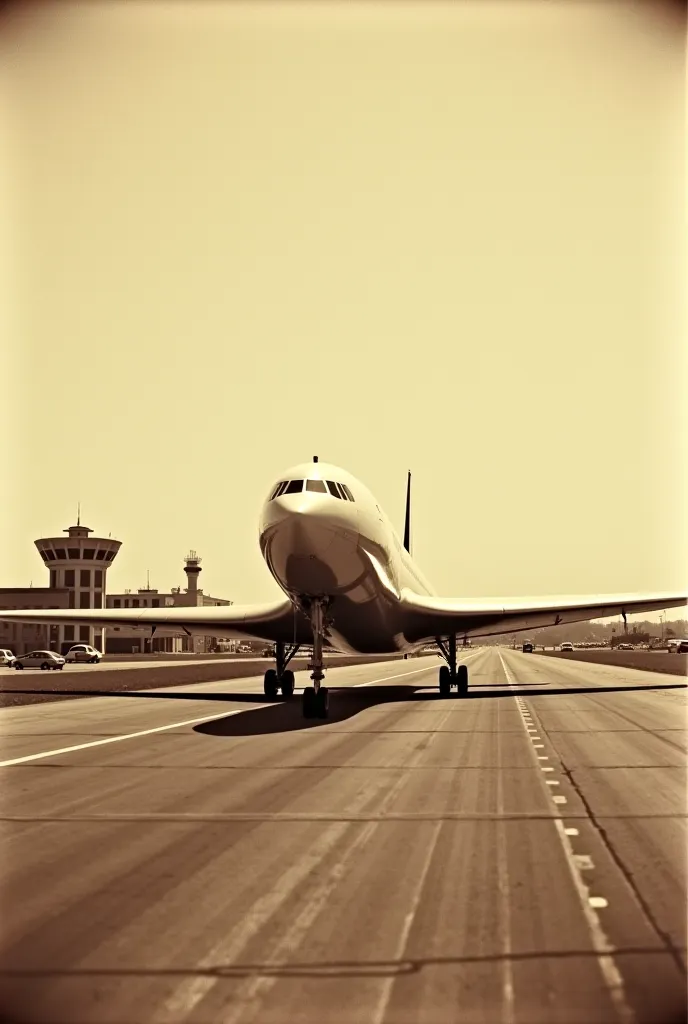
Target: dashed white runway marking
{"points": [[577, 864]]}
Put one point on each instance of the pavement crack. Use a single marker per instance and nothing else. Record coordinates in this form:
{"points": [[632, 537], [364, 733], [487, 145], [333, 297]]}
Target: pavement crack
{"points": [[627, 875]]}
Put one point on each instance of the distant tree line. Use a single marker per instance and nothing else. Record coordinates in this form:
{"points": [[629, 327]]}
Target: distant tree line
{"points": [[596, 632]]}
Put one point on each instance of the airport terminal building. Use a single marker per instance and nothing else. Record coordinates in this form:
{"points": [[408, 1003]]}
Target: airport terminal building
{"points": [[122, 640]]}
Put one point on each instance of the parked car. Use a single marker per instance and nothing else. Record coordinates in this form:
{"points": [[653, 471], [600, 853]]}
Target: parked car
{"points": [[39, 659], [6, 657], [677, 646], [624, 647], [528, 647], [83, 652], [566, 646]]}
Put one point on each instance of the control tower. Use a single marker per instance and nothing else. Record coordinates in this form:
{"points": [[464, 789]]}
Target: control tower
{"points": [[79, 563], [192, 568]]}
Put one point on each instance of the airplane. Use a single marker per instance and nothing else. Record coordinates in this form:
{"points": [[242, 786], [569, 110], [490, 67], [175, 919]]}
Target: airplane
{"points": [[350, 584]]}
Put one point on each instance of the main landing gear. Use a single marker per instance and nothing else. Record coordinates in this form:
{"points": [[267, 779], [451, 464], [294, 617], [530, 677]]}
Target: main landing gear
{"points": [[281, 678], [316, 697], [450, 674]]}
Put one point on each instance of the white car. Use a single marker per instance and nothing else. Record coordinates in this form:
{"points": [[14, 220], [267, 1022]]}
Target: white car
{"points": [[6, 657], [39, 659], [83, 652], [566, 646]]}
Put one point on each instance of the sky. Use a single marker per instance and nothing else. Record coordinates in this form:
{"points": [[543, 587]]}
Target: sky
{"points": [[444, 237]]}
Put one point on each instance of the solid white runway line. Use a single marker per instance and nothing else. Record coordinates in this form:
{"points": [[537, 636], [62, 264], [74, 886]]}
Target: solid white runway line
{"points": [[165, 728]]}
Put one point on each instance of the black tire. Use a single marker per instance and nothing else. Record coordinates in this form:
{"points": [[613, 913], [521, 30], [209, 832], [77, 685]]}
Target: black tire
{"points": [[45, 665], [60, 667], [270, 683], [19, 667], [287, 683], [462, 680], [308, 702], [322, 702], [445, 681], [94, 661]]}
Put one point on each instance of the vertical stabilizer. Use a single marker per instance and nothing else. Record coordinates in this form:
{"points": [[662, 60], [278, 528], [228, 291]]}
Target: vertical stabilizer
{"points": [[407, 520]]}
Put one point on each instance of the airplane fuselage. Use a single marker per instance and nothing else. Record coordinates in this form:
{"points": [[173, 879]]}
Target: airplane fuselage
{"points": [[317, 542]]}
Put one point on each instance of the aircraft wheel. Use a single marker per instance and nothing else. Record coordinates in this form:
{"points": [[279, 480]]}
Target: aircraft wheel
{"points": [[322, 702], [270, 683], [287, 683], [308, 702], [462, 680], [445, 681]]}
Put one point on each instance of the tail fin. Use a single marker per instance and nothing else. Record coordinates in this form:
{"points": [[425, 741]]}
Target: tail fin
{"points": [[407, 520]]}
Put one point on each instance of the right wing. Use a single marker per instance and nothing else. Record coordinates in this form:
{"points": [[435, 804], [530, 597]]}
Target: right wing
{"points": [[429, 617], [278, 622]]}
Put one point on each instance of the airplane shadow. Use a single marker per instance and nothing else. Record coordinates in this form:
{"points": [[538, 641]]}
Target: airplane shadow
{"points": [[345, 702]]}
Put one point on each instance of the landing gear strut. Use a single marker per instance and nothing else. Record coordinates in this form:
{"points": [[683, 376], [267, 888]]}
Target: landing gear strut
{"points": [[316, 697], [450, 675], [281, 678]]}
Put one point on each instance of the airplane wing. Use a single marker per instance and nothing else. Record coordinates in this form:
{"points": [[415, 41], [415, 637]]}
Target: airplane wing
{"points": [[276, 622], [428, 617]]}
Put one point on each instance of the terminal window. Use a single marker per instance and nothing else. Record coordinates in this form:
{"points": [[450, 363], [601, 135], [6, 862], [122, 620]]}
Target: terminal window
{"points": [[84, 600], [60, 552], [100, 554], [89, 552], [85, 577], [73, 552], [69, 577]]}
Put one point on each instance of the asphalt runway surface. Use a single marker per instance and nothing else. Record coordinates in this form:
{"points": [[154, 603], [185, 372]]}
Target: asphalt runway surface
{"points": [[199, 854]]}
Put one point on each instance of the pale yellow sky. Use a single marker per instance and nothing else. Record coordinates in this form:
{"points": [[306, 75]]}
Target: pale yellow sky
{"points": [[444, 237]]}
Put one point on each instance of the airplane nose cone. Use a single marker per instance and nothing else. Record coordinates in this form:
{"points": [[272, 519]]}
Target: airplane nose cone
{"points": [[307, 543]]}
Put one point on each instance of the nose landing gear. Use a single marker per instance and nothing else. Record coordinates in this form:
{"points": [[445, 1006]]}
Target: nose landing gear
{"points": [[316, 697], [450, 674], [281, 678]]}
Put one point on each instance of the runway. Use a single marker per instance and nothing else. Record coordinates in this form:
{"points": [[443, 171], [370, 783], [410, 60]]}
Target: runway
{"points": [[201, 854]]}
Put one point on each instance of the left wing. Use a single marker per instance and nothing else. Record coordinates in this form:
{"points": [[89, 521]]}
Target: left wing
{"points": [[278, 622], [427, 617]]}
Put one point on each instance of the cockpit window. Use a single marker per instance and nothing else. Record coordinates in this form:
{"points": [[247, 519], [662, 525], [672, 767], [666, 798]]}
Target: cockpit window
{"points": [[319, 486]]}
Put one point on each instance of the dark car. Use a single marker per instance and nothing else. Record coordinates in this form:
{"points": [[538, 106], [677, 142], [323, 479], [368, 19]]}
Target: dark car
{"points": [[528, 647]]}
